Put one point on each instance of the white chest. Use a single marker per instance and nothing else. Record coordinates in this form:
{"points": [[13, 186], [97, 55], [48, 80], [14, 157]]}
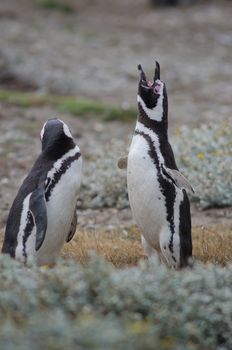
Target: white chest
{"points": [[60, 208], [146, 199]]}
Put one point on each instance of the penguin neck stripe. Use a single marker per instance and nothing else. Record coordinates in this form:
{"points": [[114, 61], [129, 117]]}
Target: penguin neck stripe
{"points": [[65, 165], [152, 149], [155, 113], [158, 127]]}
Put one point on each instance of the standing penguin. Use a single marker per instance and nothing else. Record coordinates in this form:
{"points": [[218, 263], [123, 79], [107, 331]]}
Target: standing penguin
{"points": [[43, 215], [158, 200]]}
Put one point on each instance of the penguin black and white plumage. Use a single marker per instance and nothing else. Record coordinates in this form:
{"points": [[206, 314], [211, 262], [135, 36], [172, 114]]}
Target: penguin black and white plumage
{"points": [[157, 195], [43, 215]]}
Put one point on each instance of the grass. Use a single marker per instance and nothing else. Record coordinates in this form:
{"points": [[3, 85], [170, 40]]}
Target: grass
{"points": [[123, 248], [213, 245], [57, 5], [210, 245], [76, 106]]}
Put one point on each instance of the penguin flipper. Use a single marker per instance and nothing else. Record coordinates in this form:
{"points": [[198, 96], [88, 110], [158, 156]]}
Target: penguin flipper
{"points": [[179, 179], [122, 162], [37, 206], [72, 228]]}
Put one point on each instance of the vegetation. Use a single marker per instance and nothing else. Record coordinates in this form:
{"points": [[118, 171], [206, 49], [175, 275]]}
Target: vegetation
{"points": [[122, 247], [203, 155], [206, 159], [58, 5], [100, 307], [85, 302], [76, 106]]}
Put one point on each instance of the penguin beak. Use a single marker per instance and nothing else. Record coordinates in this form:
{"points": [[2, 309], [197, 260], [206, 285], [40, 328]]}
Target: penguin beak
{"points": [[148, 90], [147, 84], [157, 72], [144, 83], [142, 74]]}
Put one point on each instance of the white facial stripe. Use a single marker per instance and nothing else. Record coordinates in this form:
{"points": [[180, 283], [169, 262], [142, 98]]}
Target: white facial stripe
{"points": [[66, 130], [42, 131], [157, 112]]}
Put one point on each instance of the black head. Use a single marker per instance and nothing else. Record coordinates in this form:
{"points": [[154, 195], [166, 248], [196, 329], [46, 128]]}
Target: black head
{"points": [[152, 95], [56, 138]]}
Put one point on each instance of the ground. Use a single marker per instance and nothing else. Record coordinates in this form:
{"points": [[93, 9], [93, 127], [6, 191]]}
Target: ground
{"points": [[92, 53]]}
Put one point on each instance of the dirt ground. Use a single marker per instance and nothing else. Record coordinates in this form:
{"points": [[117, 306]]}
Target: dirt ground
{"points": [[93, 52]]}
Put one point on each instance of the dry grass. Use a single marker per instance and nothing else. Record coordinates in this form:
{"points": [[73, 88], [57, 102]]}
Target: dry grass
{"points": [[119, 247], [213, 245], [210, 245], [123, 247]]}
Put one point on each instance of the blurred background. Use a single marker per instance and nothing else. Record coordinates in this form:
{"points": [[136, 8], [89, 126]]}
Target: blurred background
{"points": [[91, 49], [77, 60]]}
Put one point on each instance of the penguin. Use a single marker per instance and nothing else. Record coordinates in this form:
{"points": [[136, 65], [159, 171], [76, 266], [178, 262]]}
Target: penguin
{"points": [[156, 189], [43, 215]]}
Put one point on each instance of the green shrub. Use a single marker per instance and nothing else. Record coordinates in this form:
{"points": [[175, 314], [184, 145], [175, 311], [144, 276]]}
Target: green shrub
{"points": [[58, 5], [202, 154], [104, 184], [100, 307]]}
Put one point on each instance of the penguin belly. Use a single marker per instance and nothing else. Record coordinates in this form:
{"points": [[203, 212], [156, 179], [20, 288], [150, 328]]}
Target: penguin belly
{"points": [[60, 211], [146, 199]]}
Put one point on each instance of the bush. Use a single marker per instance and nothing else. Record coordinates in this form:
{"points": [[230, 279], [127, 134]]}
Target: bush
{"points": [[104, 184], [202, 154], [100, 307]]}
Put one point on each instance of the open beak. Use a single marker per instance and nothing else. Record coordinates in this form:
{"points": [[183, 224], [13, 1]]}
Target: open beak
{"points": [[142, 74], [157, 71], [143, 80]]}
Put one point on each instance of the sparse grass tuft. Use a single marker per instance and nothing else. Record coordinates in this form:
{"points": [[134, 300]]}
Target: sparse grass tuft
{"points": [[81, 107], [57, 5], [26, 99], [76, 106], [121, 114]]}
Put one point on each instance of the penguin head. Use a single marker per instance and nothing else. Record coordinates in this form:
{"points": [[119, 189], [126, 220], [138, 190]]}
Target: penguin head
{"points": [[152, 95], [56, 137]]}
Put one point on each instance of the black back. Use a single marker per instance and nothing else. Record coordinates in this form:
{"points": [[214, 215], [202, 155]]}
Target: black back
{"points": [[55, 144]]}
